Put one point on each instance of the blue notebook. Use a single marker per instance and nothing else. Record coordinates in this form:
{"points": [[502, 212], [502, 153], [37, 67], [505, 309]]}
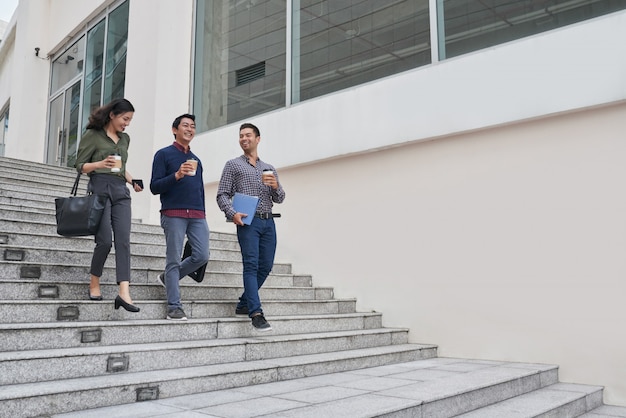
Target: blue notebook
{"points": [[244, 203]]}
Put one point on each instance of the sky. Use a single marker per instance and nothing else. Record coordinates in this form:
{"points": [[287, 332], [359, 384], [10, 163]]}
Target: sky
{"points": [[7, 7]]}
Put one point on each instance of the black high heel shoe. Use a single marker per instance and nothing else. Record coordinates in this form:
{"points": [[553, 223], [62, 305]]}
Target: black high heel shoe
{"points": [[93, 297], [128, 306]]}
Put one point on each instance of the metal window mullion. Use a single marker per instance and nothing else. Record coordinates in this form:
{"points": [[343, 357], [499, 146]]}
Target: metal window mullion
{"points": [[105, 47], [437, 30], [293, 52]]}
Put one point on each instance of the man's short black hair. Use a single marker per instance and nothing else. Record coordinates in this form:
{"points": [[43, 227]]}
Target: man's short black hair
{"points": [[251, 126], [181, 117]]}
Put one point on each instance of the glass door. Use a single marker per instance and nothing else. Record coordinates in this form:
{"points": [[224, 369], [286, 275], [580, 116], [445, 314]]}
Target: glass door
{"points": [[63, 128]]}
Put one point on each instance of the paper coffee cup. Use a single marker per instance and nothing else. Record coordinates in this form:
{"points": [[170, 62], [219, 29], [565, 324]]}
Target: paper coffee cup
{"points": [[194, 163], [267, 174], [118, 163]]}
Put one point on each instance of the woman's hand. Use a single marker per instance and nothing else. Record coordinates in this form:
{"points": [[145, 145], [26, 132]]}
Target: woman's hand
{"points": [[108, 162]]}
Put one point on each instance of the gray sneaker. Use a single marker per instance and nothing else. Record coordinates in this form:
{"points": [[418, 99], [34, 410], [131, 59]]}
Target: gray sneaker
{"points": [[176, 314], [161, 279], [260, 323]]}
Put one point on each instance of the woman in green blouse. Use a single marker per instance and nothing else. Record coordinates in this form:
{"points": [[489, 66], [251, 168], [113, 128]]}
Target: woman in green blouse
{"points": [[103, 146]]}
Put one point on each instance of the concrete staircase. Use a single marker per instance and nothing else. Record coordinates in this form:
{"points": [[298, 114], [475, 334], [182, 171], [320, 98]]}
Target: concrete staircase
{"points": [[60, 352]]}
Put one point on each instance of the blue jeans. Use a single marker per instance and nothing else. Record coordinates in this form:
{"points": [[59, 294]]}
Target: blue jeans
{"points": [[197, 232], [258, 247]]}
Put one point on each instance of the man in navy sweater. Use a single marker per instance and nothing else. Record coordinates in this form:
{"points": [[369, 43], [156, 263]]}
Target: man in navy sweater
{"points": [[177, 178]]}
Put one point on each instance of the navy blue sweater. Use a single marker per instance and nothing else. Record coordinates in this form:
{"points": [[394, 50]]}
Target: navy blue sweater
{"points": [[186, 193]]}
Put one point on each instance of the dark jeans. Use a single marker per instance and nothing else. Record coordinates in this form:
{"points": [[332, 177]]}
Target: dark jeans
{"points": [[114, 226], [258, 247]]}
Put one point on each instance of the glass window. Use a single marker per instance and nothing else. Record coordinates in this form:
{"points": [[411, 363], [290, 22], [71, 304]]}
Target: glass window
{"points": [[240, 47], [339, 44], [72, 104], [68, 65], [240, 60], [470, 25], [117, 36], [96, 61], [93, 70]]}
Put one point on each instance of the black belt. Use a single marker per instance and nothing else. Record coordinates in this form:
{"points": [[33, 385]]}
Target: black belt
{"points": [[267, 215]]}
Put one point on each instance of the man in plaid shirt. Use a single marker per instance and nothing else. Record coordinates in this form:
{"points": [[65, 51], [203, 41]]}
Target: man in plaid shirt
{"points": [[257, 240]]}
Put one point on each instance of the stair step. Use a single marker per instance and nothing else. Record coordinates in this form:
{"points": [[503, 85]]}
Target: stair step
{"points": [[557, 400], [55, 273], [122, 328], [15, 166], [33, 399], [20, 311], [39, 188], [45, 365], [606, 411], [76, 292], [42, 221], [154, 255], [69, 259], [154, 246]]}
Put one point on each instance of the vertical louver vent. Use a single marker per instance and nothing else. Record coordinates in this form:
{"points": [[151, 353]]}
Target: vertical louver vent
{"points": [[251, 73]]}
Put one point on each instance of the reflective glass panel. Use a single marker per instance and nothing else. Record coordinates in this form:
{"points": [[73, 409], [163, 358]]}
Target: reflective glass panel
{"points": [[55, 131], [470, 25], [240, 60], [68, 65], [72, 107], [115, 69], [93, 70], [339, 44]]}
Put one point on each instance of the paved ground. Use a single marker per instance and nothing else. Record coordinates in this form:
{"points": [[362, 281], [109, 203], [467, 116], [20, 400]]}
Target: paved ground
{"points": [[356, 394]]}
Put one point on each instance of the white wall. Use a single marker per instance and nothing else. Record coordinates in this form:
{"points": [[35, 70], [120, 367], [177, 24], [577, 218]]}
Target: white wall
{"points": [[28, 76], [6, 58], [502, 244]]}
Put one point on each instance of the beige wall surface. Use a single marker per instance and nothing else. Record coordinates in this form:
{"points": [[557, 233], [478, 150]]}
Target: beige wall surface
{"points": [[503, 244]]}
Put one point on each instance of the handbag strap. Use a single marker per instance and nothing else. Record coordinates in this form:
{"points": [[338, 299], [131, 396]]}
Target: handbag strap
{"points": [[75, 187]]}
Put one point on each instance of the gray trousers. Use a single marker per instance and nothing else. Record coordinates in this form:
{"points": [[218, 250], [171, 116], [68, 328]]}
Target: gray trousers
{"points": [[114, 226]]}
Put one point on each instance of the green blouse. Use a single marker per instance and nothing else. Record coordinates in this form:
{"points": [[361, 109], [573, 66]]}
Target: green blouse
{"points": [[95, 145]]}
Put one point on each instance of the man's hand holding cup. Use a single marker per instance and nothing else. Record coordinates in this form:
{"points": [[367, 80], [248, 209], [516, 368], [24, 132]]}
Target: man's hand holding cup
{"points": [[269, 179], [188, 168]]}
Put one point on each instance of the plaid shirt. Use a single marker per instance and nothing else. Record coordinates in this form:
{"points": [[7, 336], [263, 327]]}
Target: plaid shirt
{"points": [[239, 176]]}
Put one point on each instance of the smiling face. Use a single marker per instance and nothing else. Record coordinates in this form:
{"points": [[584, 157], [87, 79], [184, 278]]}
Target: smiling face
{"points": [[248, 140], [185, 132], [121, 121]]}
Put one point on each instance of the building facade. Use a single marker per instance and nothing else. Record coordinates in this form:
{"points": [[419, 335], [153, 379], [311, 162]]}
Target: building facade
{"points": [[456, 166]]}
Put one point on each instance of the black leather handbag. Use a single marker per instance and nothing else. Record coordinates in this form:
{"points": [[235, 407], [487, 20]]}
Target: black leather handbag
{"points": [[79, 216]]}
